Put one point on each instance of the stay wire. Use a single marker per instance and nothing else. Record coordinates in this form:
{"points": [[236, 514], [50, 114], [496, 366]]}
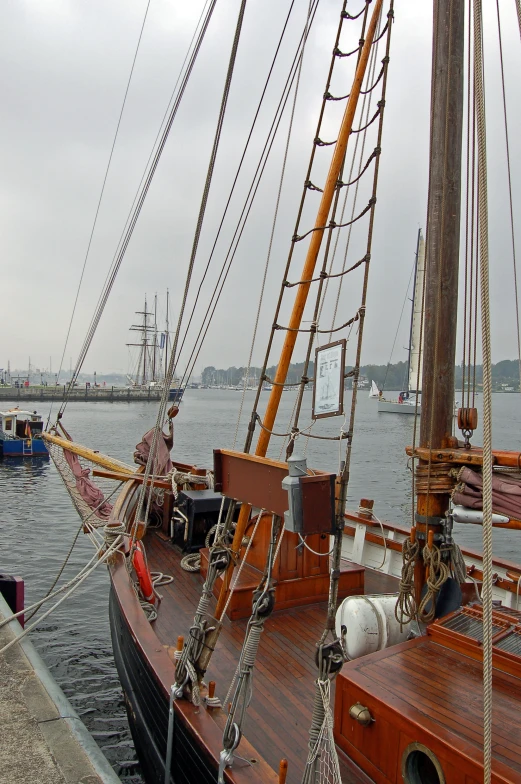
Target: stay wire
{"points": [[366, 104], [509, 187], [138, 203], [275, 214], [232, 249], [96, 214], [232, 189], [350, 430], [195, 245]]}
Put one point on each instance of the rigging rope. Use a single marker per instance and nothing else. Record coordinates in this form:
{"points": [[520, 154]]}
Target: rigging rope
{"points": [[195, 245], [100, 200], [275, 216], [236, 238], [138, 204], [487, 394], [509, 187]]}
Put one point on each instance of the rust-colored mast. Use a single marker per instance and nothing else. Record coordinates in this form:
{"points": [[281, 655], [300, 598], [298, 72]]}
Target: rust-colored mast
{"points": [[306, 275], [442, 256]]}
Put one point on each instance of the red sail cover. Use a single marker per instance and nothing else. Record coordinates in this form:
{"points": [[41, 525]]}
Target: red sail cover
{"points": [[506, 492], [90, 493], [162, 463]]}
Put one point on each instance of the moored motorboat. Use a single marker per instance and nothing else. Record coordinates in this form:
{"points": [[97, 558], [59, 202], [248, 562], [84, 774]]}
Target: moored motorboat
{"points": [[21, 434]]}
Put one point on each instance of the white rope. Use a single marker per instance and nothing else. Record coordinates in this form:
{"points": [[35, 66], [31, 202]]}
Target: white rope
{"points": [[63, 588], [303, 542], [110, 550], [487, 393], [232, 684], [323, 758], [364, 510]]}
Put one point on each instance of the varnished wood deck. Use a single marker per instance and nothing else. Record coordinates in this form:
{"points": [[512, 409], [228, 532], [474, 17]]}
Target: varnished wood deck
{"points": [[279, 715]]}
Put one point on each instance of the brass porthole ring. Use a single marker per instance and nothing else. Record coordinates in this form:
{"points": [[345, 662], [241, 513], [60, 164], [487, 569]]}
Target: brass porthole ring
{"points": [[421, 766]]}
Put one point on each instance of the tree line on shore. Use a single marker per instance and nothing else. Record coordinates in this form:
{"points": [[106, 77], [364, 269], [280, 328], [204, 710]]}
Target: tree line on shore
{"points": [[390, 376]]}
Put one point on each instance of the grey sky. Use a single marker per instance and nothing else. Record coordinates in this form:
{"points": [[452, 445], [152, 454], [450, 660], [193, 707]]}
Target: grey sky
{"points": [[64, 65]]}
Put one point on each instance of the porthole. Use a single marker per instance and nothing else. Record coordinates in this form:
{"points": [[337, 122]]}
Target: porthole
{"points": [[421, 766]]}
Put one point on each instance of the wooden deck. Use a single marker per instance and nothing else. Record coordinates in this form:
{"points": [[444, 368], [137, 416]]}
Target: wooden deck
{"points": [[422, 692], [279, 715]]}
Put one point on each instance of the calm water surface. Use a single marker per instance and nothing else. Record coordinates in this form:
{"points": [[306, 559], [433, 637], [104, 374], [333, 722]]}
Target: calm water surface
{"points": [[38, 523]]}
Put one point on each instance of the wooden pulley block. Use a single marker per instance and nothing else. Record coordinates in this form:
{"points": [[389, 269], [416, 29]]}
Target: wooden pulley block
{"points": [[467, 418], [172, 411]]}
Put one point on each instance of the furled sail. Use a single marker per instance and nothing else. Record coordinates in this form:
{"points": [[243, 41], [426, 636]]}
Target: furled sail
{"points": [[415, 356]]}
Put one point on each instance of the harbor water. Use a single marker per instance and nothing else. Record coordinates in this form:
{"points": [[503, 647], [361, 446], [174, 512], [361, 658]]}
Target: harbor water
{"points": [[38, 523]]}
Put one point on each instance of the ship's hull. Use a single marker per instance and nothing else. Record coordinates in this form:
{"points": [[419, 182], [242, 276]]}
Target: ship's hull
{"points": [[23, 447], [394, 407], [147, 708], [175, 394]]}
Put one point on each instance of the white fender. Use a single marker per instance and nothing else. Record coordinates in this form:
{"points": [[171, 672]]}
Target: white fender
{"points": [[368, 624]]}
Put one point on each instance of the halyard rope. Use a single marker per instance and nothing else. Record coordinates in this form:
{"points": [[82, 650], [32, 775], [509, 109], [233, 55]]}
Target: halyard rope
{"points": [[487, 394]]}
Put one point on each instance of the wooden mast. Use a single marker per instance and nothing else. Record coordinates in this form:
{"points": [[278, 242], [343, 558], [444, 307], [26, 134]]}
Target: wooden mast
{"points": [[442, 252], [306, 275]]}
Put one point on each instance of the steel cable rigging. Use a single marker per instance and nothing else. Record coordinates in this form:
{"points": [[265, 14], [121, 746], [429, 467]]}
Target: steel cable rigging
{"points": [[139, 200]]}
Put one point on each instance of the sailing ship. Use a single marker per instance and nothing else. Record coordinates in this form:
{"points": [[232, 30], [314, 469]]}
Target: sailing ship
{"points": [[152, 362], [266, 591], [409, 399]]}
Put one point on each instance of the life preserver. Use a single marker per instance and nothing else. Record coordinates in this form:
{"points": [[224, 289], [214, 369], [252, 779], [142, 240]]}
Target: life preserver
{"points": [[143, 574]]}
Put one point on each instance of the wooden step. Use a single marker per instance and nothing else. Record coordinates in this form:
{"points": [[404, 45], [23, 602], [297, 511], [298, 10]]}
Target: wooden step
{"points": [[289, 593]]}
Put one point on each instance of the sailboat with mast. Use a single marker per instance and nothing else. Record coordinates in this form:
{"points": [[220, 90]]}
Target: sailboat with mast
{"points": [[270, 657], [409, 399], [151, 367]]}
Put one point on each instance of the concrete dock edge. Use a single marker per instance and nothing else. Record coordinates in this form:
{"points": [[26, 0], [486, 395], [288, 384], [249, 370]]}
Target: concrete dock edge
{"points": [[37, 709]]}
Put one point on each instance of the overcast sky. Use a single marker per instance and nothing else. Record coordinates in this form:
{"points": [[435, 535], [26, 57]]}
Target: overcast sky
{"points": [[64, 66]]}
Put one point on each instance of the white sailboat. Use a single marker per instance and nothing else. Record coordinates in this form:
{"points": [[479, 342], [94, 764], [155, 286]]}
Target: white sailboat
{"points": [[374, 391], [409, 400]]}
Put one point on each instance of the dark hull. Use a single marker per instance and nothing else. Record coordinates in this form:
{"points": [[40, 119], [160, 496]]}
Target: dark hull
{"points": [[147, 708]]}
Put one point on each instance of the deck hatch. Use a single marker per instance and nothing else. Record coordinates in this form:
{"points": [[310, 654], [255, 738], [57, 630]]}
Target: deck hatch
{"points": [[469, 625], [510, 644]]}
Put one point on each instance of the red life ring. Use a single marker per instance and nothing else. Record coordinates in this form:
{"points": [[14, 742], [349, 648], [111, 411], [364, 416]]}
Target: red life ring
{"points": [[143, 574]]}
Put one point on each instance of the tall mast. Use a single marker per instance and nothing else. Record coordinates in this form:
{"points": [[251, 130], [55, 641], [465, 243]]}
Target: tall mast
{"points": [[442, 248], [166, 336], [155, 339]]}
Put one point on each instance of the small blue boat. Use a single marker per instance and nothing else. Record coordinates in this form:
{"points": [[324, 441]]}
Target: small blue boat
{"points": [[21, 434]]}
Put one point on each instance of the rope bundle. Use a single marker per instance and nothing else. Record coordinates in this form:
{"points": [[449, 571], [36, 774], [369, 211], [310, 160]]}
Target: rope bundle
{"points": [[405, 610]]}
